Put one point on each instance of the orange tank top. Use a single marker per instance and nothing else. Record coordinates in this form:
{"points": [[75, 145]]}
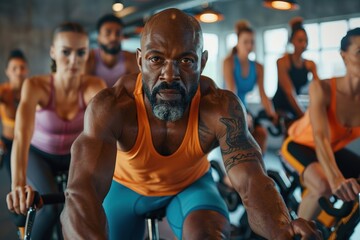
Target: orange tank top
{"points": [[149, 173], [301, 131], [5, 119]]}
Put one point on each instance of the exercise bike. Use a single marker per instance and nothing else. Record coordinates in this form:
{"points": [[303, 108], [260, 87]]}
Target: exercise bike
{"points": [[337, 219]]}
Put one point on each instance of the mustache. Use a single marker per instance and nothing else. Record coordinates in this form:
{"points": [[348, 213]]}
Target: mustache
{"points": [[110, 50], [173, 86]]}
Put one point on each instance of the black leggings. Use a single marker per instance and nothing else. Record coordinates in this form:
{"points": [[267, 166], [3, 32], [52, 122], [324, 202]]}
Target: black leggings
{"points": [[347, 161], [41, 172], [6, 156]]}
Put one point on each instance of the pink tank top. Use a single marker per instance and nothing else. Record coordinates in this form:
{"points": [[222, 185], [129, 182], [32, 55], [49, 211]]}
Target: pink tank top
{"points": [[51, 133], [110, 75]]}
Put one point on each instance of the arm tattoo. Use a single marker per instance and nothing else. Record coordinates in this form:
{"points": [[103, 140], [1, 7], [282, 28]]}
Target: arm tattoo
{"points": [[237, 139], [241, 157]]}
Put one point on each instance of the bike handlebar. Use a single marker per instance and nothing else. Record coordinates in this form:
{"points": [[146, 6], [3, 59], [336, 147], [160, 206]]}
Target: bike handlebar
{"points": [[274, 130], [329, 208], [53, 198]]}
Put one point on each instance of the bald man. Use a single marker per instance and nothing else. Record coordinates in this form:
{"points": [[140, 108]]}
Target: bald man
{"points": [[144, 147]]}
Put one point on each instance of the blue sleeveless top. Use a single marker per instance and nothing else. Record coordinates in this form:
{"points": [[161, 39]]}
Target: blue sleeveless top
{"points": [[244, 84]]}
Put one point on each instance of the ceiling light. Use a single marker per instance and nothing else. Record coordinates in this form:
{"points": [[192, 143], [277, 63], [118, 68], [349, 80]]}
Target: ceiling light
{"points": [[117, 6], [281, 4], [209, 15]]}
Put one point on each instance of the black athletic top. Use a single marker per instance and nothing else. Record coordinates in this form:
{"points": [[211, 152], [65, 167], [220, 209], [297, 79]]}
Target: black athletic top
{"points": [[299, 79]]}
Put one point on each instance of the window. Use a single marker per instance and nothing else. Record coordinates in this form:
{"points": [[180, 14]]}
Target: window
{"points": [[275, 43], [130, 44], [354, 22], [323, 49], [211, 44]]}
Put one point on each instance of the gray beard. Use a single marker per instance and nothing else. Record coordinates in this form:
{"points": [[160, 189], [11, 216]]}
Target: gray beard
{"points": [[166, 112]]}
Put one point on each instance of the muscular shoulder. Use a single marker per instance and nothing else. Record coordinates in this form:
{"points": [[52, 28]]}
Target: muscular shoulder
{"points": [[320, 91], [217, 103], [110, 109], [127, 83]]}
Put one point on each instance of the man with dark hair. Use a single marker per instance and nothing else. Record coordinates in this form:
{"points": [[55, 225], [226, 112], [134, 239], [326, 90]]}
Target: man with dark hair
{"points": [[145, 143], [109, 61]]}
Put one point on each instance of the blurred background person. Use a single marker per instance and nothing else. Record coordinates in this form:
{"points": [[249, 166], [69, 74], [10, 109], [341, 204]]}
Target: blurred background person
{"points": [[110, 61], [242, 74], [50, 116], [293, 74], [16, 71], [316, 146]]}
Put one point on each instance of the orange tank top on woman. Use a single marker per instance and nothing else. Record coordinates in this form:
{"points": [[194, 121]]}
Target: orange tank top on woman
{"points": [[301, 131], [148, 173]]}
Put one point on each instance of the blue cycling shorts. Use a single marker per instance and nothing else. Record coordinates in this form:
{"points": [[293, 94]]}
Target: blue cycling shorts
{"points": [[126, 209]]}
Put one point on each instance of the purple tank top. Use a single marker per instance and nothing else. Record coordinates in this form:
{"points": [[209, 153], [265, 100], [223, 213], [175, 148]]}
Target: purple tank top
{"points": [[55, 135], [110, 75]]}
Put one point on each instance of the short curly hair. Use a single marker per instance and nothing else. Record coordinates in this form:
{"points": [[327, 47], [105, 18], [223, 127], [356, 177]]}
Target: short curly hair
{"points": [[108, 18]]}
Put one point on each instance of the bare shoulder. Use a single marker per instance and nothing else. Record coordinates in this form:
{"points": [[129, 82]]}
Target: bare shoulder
{"points": [[259, 67], [38, 82], [216, 101], [309, 64], [36, 90], [228, 59], [39, 79], [127, 82], [320, 90], [283, 61], [111, 107]]}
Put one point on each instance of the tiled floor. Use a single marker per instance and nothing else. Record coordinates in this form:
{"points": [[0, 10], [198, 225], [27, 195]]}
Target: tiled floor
{"points": [[8, 231]]}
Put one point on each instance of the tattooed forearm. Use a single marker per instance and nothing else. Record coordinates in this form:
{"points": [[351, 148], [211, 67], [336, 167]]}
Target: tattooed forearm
{"points": [[269, 213], [241, 158]]}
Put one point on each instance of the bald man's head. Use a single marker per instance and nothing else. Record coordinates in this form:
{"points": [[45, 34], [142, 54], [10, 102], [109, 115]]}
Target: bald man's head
{"points": [[173, 23]]}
